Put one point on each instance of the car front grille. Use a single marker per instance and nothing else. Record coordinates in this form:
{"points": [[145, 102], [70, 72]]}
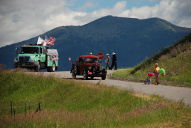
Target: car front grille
{"points": [[24, 59]]}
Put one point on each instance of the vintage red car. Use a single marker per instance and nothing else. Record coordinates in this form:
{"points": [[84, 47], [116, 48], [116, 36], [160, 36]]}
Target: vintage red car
{"points": [[88, 67]]}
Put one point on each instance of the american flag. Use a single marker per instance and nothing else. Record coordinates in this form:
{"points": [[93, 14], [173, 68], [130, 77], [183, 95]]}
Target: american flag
{"points": [[46, 41], [50, 41]]}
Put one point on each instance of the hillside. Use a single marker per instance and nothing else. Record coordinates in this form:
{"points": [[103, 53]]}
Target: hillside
{"points": [[74, 105], [132, 39], [175, 59]]}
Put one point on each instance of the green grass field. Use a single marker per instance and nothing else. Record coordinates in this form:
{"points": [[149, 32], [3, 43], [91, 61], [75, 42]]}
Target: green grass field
{"points": [[72, 104], [176, 60]]}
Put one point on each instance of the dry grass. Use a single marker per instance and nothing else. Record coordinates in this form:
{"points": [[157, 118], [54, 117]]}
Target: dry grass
{"points": [[143, 96], [62, 116], [163, 125], [143, 110]]}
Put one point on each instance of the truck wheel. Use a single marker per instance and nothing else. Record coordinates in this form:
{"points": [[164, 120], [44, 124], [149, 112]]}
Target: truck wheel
{"points": [[85, 75], [16, 66], [48, 69], [52, 68], [37, 68]]}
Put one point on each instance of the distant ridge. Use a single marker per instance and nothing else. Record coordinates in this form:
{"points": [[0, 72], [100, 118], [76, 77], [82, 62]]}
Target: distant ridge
{"points": [[132, 39]]}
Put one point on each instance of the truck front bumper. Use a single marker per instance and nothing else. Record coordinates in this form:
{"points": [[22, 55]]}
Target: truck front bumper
{"points": [[26, 64], [97, 74]]}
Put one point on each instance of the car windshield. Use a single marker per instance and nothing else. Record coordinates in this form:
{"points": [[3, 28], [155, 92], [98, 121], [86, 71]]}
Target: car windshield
{"points": [[30, 50], [90, 60]]}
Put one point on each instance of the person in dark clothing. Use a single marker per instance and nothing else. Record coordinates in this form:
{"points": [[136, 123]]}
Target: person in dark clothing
{"points": [[114, 61]]}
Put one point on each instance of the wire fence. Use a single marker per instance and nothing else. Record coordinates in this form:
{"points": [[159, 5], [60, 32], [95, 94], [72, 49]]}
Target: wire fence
{"points": [[13, 109]]}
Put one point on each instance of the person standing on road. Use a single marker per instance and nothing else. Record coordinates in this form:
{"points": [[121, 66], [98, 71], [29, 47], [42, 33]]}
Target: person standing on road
{"points": [[156, 73], [114, 61], [107, 61]]}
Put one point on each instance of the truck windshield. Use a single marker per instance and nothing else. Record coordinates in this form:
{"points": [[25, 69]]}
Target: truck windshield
{"points": [[90, 60], [30, 50]]}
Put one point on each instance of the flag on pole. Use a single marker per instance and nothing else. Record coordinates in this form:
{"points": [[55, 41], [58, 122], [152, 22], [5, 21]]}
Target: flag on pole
{"points": [[46, 38], [40, 41], [51, 41], [46, 41]]}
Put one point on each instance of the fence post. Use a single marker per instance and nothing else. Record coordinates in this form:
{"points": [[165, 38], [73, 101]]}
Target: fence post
{"points": [[25, 109], [11, 104], [29, 107], [38, 107], [14, 111]]}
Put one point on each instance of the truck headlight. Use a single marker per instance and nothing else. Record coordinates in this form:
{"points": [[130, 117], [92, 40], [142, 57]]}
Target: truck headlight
{"points": [[90, 68], [16, 59], [31, 59]]}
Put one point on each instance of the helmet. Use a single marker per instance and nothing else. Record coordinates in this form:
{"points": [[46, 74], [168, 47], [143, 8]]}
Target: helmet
{"points": [[156, 64]]}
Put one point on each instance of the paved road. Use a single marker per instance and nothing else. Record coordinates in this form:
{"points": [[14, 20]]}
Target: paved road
{"points": [[178, 94]]}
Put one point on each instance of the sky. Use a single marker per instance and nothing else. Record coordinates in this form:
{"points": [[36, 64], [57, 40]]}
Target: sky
{"points": [[23, 19]]}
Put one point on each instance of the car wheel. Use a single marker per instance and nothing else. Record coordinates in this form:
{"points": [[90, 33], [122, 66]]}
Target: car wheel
{"points": [[73, 75], [74, 72], [85, 75], [103, 77]]}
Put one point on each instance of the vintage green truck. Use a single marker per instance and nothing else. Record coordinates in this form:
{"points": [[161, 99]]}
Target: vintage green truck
{"points": [[36, 57]]}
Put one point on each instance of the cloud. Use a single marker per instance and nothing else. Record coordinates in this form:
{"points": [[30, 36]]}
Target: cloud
{"points": [[88, 5], [175, 11], [23, 19], [120, 6], [115, 11]]}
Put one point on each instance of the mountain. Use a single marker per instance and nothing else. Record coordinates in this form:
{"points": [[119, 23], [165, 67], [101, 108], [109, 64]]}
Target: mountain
{"points": [[132, 39], [176, 60]]}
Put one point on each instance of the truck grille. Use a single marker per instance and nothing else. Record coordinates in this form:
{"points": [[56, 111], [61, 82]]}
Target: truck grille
{"points": [[24, 59]]}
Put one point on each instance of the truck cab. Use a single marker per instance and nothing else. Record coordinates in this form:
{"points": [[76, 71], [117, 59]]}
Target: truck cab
{"points": [[88, 66], [36, 57]]}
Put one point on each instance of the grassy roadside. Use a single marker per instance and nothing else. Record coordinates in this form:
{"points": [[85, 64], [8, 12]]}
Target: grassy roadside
{"points": [[74, 105], [176, 60]]}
